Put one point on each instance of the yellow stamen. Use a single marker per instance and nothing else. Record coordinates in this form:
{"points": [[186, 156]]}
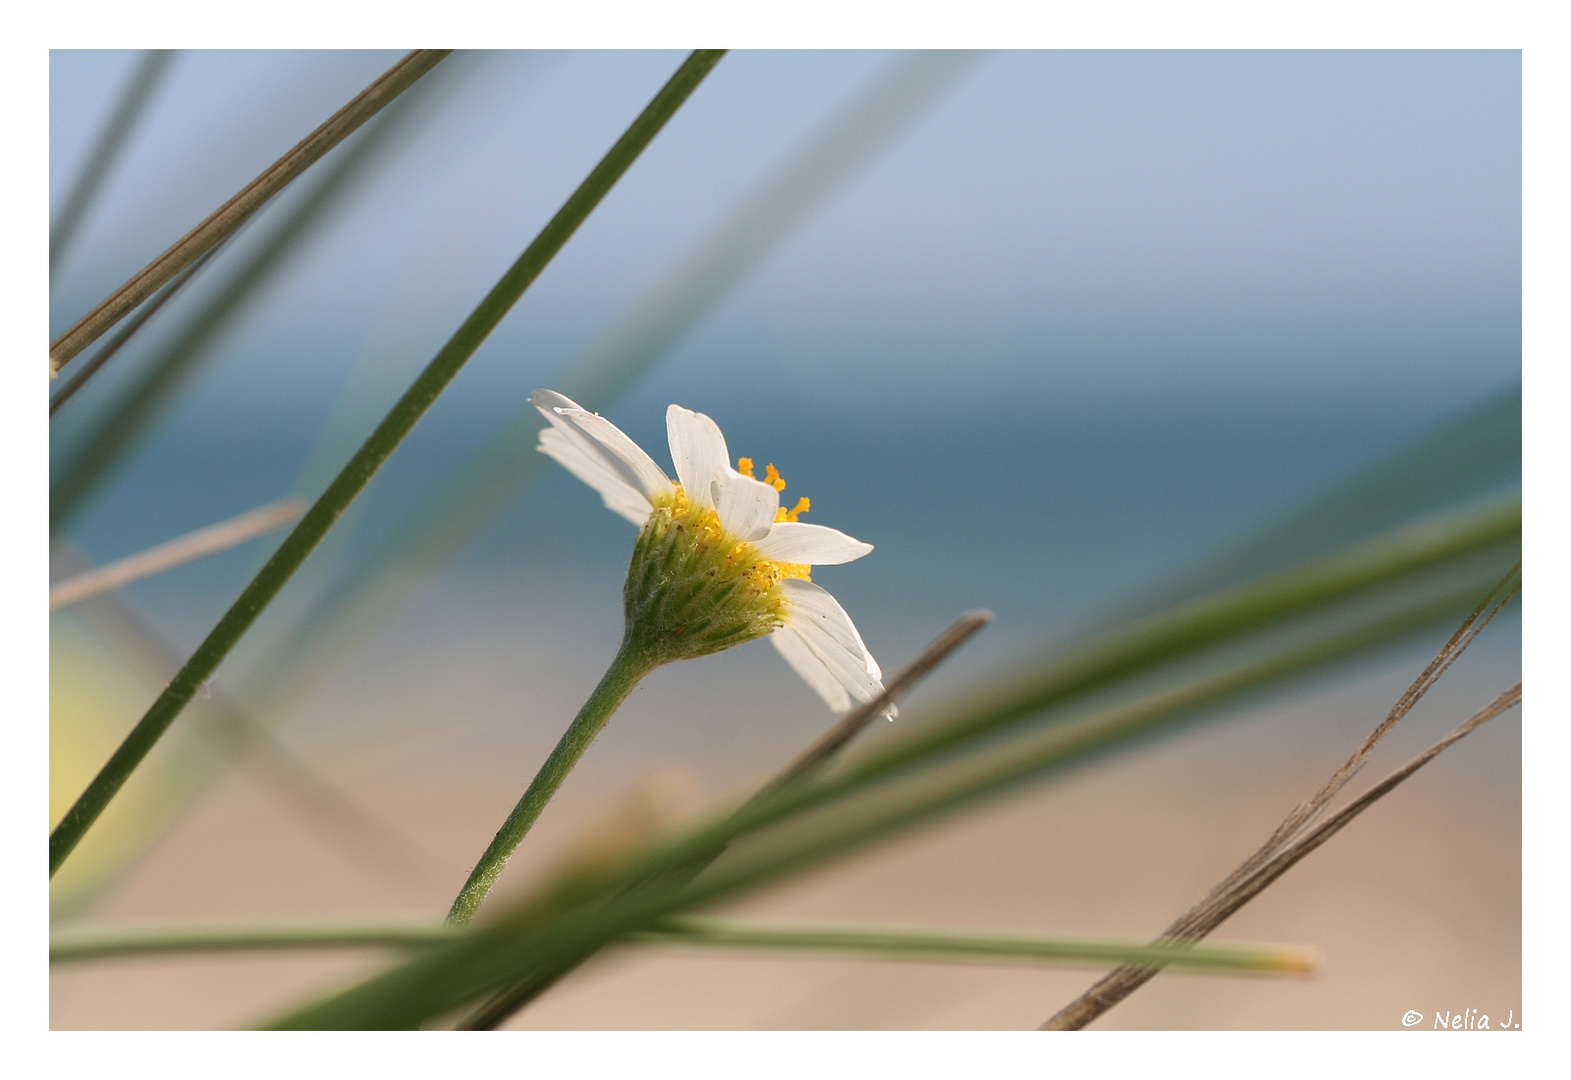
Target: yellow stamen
{"points": [[772, 478], [766, 575], [744, 465], [802, 506], [705, 528]]}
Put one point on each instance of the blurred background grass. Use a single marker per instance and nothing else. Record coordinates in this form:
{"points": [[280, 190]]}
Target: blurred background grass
{"points": [[1073, 322]]}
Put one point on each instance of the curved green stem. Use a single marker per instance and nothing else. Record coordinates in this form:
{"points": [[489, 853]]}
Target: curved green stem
{"points": [[626, 672]]}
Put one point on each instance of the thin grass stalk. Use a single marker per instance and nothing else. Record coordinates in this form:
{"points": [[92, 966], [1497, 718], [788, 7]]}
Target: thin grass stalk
{"points": [[1223, 898], [1307, 811], [112, 139], [247, 201], [540, 935], [376, 449], [916, 944], [205, 541], [925, 945], [1221, 904], [1475, 623], [115, 942], [90, 367]]}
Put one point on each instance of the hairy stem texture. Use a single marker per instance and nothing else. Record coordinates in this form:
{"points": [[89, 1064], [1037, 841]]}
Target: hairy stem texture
{"points": [[625, 673]]}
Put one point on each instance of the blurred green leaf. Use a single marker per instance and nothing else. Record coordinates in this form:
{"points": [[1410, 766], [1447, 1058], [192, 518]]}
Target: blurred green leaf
{"points": [[892, 943], [927, 944], [117, 130], [110, 942]]}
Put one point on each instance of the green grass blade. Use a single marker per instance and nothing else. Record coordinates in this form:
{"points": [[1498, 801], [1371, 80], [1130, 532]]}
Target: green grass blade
{"points": [[117, 131], [114, 942], [413, 554], [879, 942], [921, 944], [228, 218], [376, 449]]}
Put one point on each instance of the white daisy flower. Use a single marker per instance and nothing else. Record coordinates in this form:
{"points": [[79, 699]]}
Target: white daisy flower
{"points": [[718, 560]]}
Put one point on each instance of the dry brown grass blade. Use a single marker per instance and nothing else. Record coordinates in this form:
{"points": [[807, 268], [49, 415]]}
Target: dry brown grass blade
{"points": [[182, 549], [1466, 633], [1295, 838], [230, 216], [1218, 906], [107, 350]]}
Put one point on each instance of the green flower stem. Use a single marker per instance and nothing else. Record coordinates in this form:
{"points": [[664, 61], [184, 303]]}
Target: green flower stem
{"points": [[626, 672], [372, 454]]}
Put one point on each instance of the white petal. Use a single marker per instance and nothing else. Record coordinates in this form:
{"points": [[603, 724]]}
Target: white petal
{"points": [[620, 496], [813, 671], [746, 506], [815, 545], [809, 605], [824, 627], [698, 450], [546, 400], [624, 453], [602, 441]]}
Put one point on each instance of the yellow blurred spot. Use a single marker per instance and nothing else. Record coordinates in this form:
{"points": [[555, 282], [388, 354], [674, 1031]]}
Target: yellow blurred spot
{"points": [[744, 465], [772, 478]]}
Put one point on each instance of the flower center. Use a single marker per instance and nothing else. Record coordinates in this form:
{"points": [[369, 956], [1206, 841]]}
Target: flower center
{"points": [[704, 527], [694, 588]]}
